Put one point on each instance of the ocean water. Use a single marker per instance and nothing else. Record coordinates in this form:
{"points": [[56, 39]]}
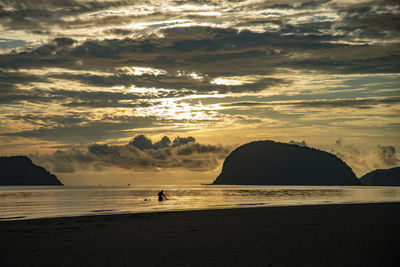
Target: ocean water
{"points": [[28, 202]]}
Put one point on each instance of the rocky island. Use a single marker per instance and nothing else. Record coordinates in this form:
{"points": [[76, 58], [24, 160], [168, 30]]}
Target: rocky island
{"points": [[383, 177], [20, 170], [273, 163]]}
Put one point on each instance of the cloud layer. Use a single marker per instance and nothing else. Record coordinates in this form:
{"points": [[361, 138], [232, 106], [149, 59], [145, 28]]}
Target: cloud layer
{"points": [[139, 155], [77, 72]]}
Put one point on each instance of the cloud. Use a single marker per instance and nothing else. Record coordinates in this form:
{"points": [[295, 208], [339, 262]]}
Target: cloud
{"points": [[178, 141], [142, 142], [11, 79], [43, 14], [64, 41], [359, 103], [164, 142], [204, 50], [245, 104], [176, 81], [363, 161], [118, 31], [139, 155], [81, 128], [299, 143], [10, 94], [374, 21], [339, 141], [128, 66], [388, 155], [339, 103]]}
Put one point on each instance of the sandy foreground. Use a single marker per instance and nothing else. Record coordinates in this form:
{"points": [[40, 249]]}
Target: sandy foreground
{"points": [[332, 235]]}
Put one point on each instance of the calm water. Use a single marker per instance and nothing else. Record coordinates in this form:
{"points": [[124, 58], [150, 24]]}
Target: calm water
{"points": [[45, 201]]}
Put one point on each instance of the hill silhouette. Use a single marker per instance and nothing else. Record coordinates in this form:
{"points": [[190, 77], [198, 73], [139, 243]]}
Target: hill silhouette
{"points": [[273, 163], [388, 177], [20, 170]]}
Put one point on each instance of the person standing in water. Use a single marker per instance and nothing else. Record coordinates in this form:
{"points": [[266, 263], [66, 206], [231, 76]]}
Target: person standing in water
{"points": [[161, 196]]}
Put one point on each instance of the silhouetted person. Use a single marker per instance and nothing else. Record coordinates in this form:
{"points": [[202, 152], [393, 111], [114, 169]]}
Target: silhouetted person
{"points": [[161, 195]]}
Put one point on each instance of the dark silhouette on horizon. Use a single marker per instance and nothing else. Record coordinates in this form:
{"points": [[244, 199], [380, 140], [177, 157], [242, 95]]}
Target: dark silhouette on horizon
{"points": [[383, 177], [161, 195], [273, 163], [20, 170]]}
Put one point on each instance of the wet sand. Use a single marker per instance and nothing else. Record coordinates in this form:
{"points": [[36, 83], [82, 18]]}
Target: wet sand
{"points": [[334, 235]]}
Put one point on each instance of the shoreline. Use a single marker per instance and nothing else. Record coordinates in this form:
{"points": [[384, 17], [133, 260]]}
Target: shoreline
{"points": [[250, 206], [313, 235]]}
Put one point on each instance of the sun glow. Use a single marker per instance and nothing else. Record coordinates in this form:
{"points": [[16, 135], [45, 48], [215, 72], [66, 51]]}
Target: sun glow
{"points": [[137, 71], [222, 81]]}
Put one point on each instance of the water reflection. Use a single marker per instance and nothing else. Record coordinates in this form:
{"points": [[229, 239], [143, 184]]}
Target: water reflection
{"points": [[39, 202], [272, 193]]}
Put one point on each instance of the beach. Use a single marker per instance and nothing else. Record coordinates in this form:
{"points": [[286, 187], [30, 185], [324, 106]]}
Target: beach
{"points": [[321, 235]]}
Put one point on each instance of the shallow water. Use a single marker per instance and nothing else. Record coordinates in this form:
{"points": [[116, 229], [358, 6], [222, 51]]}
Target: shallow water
{"points": [[29, 202]]}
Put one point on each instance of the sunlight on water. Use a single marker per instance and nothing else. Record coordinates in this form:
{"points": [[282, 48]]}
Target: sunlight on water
{"points": [[45, 201]]}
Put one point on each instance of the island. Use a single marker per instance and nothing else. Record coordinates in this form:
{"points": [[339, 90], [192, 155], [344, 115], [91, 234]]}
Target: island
{"points": [[382, 177], [274, 163], [20, 170]]}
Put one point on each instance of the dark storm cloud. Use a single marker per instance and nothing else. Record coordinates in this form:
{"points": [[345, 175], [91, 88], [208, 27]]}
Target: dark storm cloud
{"points": [[139, 155]]}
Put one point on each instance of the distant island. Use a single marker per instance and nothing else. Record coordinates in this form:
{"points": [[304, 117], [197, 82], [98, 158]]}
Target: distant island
{"points": [[383, 177], [273, 163], [20, 170]]}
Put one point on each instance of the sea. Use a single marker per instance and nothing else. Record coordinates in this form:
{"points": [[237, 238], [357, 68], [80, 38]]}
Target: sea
{"points": [[32, 202]]}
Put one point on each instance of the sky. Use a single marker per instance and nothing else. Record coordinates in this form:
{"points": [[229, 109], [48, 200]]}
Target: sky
{"points": [[159, 92]]}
